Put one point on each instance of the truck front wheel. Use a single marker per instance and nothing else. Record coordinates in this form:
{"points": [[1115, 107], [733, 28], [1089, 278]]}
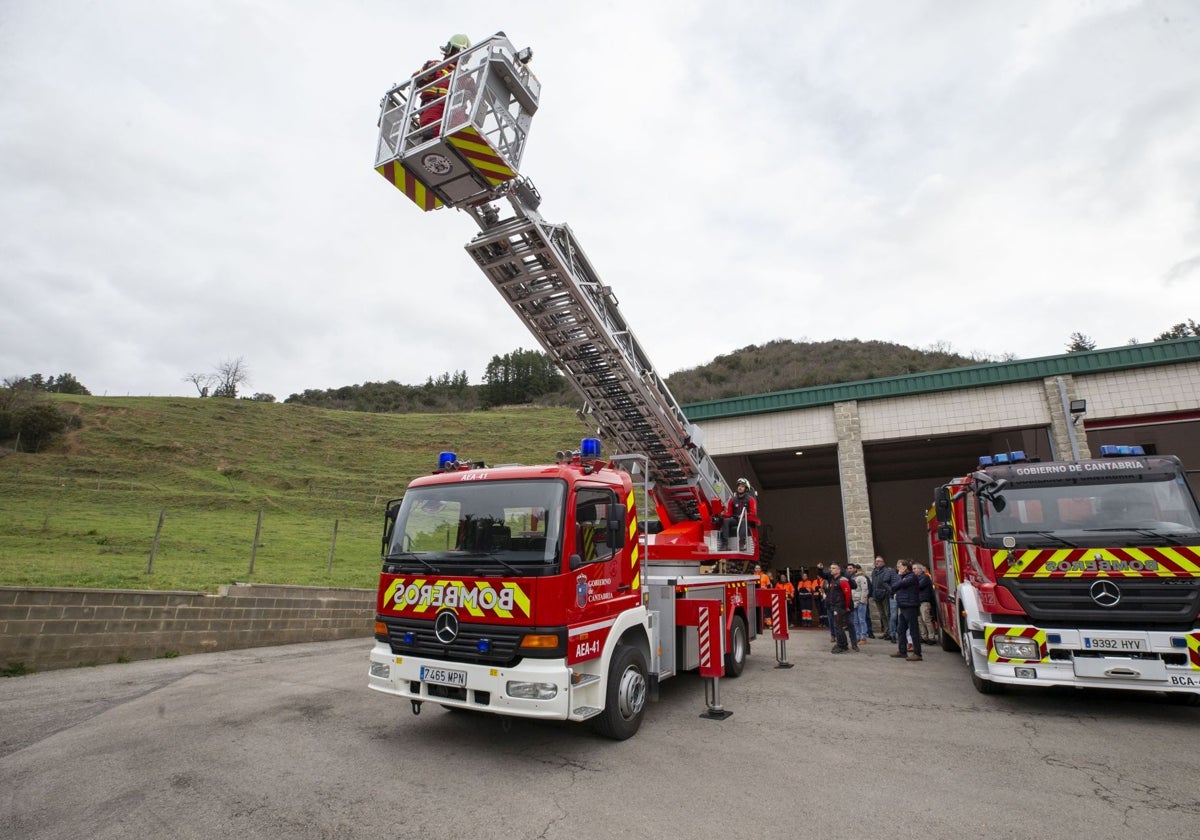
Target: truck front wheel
{"points": [[739, 647], [981, 685], [625, 700]]}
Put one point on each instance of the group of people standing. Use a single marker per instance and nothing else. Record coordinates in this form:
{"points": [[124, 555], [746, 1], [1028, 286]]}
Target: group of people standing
{"points": [[839, 597]]}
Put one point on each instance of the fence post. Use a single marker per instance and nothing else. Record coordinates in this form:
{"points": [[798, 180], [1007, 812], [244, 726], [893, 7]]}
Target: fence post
{"points": [[332, 546], [254, 548], [154, 547]]}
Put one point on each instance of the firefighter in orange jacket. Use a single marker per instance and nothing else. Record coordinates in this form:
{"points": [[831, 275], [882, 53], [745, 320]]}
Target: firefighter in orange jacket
{"points": [[789, 592], [435, 86]]}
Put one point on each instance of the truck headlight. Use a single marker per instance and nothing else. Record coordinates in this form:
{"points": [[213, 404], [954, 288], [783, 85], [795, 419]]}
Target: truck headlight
{"points": [[531, 690], [1014, 647], [381, 669]]}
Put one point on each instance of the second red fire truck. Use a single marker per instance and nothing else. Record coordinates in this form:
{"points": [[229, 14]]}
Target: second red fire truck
{"points": [[1071, 573]]}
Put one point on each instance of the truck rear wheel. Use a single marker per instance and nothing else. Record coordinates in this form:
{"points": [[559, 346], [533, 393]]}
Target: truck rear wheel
{"points": [[981, 685], [739, 647], [946, 640], [625, 699]]}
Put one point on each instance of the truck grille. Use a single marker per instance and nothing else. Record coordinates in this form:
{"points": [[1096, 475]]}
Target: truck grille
{"points": [[1145, 602], [500, 648]]}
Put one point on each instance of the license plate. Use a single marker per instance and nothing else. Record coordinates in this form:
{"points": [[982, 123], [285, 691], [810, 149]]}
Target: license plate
{"points": [[443, 676], [1114, 644], [1194, 682]]}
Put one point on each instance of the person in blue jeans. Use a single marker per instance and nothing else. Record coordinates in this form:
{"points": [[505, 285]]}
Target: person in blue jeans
{"points": [[862, 597]]}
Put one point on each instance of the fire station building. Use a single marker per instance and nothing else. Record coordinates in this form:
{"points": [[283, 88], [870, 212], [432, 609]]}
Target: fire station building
{"points": [[847, 471]]}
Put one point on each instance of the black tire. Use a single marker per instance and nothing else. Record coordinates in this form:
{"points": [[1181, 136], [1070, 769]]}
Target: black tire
{"points": [[1179, 699], [739, 647], [981, 685], [625, 699], [946, 640]]}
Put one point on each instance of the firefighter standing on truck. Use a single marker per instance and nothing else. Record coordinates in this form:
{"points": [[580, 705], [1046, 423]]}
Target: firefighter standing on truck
{"points": [[435, 87], [741, 514]]}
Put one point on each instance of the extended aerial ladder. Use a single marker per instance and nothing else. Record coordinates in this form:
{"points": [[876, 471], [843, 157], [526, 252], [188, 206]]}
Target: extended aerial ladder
{"points": [[470, 159]]}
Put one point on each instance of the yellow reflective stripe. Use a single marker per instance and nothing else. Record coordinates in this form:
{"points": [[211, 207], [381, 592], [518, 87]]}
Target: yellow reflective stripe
{"points": [[486, 166], [520, 599], [631, 518], [476, 610], [389, 594]]}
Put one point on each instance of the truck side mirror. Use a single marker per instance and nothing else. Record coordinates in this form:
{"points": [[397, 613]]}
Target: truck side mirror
{"points": [[389, 523], [941, 504], [945, 533], [616, 528]]}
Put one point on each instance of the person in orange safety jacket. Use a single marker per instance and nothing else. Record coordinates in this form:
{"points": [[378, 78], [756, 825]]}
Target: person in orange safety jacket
{"points": [[789, 592]]}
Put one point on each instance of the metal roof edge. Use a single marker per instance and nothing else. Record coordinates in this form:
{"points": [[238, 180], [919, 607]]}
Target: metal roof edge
{"points": [[1151, 354]]}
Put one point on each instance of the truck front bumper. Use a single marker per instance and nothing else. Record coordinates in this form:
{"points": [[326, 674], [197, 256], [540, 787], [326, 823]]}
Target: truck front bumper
{"points": [[1137, 660], [535, 688]]}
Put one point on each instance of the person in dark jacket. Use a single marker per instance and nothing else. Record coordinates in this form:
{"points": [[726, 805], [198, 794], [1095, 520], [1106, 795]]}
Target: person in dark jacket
{"points": [[840, 605], [882, 578], [907, 590]]}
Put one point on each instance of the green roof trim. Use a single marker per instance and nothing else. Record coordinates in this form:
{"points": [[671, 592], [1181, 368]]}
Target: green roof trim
{"points": [[1156, 353]]}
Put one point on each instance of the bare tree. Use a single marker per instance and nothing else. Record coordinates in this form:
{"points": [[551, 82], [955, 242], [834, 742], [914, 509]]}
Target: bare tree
{"points": [[202, 381], [231, 375]]}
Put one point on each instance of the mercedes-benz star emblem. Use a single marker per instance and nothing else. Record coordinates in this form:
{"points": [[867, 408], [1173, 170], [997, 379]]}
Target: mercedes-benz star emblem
{"points": [[1105, 593], [445, 626]]}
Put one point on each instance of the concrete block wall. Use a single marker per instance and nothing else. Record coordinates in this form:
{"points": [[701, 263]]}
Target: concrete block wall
{"points": [[43, 629]]}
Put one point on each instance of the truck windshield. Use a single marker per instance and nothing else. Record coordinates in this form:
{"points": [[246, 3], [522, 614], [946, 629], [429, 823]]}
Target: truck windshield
{"points": [[480, 528], [1153, 510]]}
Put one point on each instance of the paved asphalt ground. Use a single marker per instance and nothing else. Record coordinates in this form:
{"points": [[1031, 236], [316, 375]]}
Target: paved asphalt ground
{"points": [[288, 742]]}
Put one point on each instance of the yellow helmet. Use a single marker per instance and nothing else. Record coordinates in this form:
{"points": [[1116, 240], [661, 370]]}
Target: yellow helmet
{"points": [[456, 44]]}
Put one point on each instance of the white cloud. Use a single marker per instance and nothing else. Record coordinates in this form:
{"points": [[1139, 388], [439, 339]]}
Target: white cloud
{"points": [[186, 182]]}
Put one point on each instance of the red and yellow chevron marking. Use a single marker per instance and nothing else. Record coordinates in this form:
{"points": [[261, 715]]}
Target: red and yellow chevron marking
{"points": [[1038, 636], [403, 180], [1163, 561], [425, 595], [1193, 643], [480, 155], [631, 537]]}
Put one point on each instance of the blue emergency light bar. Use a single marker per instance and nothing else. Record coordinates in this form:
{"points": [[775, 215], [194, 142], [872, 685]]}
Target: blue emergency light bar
{"points": [[1017, 456], [1111, 451], [589, 448], [446, 460]]}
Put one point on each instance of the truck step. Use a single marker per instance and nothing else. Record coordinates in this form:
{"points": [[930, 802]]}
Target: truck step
{"points": [[580, 680], [584, 712]]}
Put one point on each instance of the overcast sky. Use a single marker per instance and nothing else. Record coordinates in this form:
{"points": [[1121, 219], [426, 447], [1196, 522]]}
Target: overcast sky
{"points": [[187, 182]]}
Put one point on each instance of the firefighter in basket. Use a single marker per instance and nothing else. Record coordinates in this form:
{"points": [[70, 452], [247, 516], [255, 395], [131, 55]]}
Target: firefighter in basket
{"points": [[741, 515], [434, 86]]}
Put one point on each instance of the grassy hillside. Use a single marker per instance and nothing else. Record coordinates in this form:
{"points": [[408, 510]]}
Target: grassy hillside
{"points": [[783, 365], [84, 511]]}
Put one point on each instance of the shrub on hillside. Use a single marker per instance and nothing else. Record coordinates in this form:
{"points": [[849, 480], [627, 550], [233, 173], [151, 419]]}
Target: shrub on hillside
{"points": [[28, 421]]}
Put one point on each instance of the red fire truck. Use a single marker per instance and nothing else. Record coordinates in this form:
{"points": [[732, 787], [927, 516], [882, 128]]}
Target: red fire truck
{"points": [[1082, 573], [539, 592]]}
